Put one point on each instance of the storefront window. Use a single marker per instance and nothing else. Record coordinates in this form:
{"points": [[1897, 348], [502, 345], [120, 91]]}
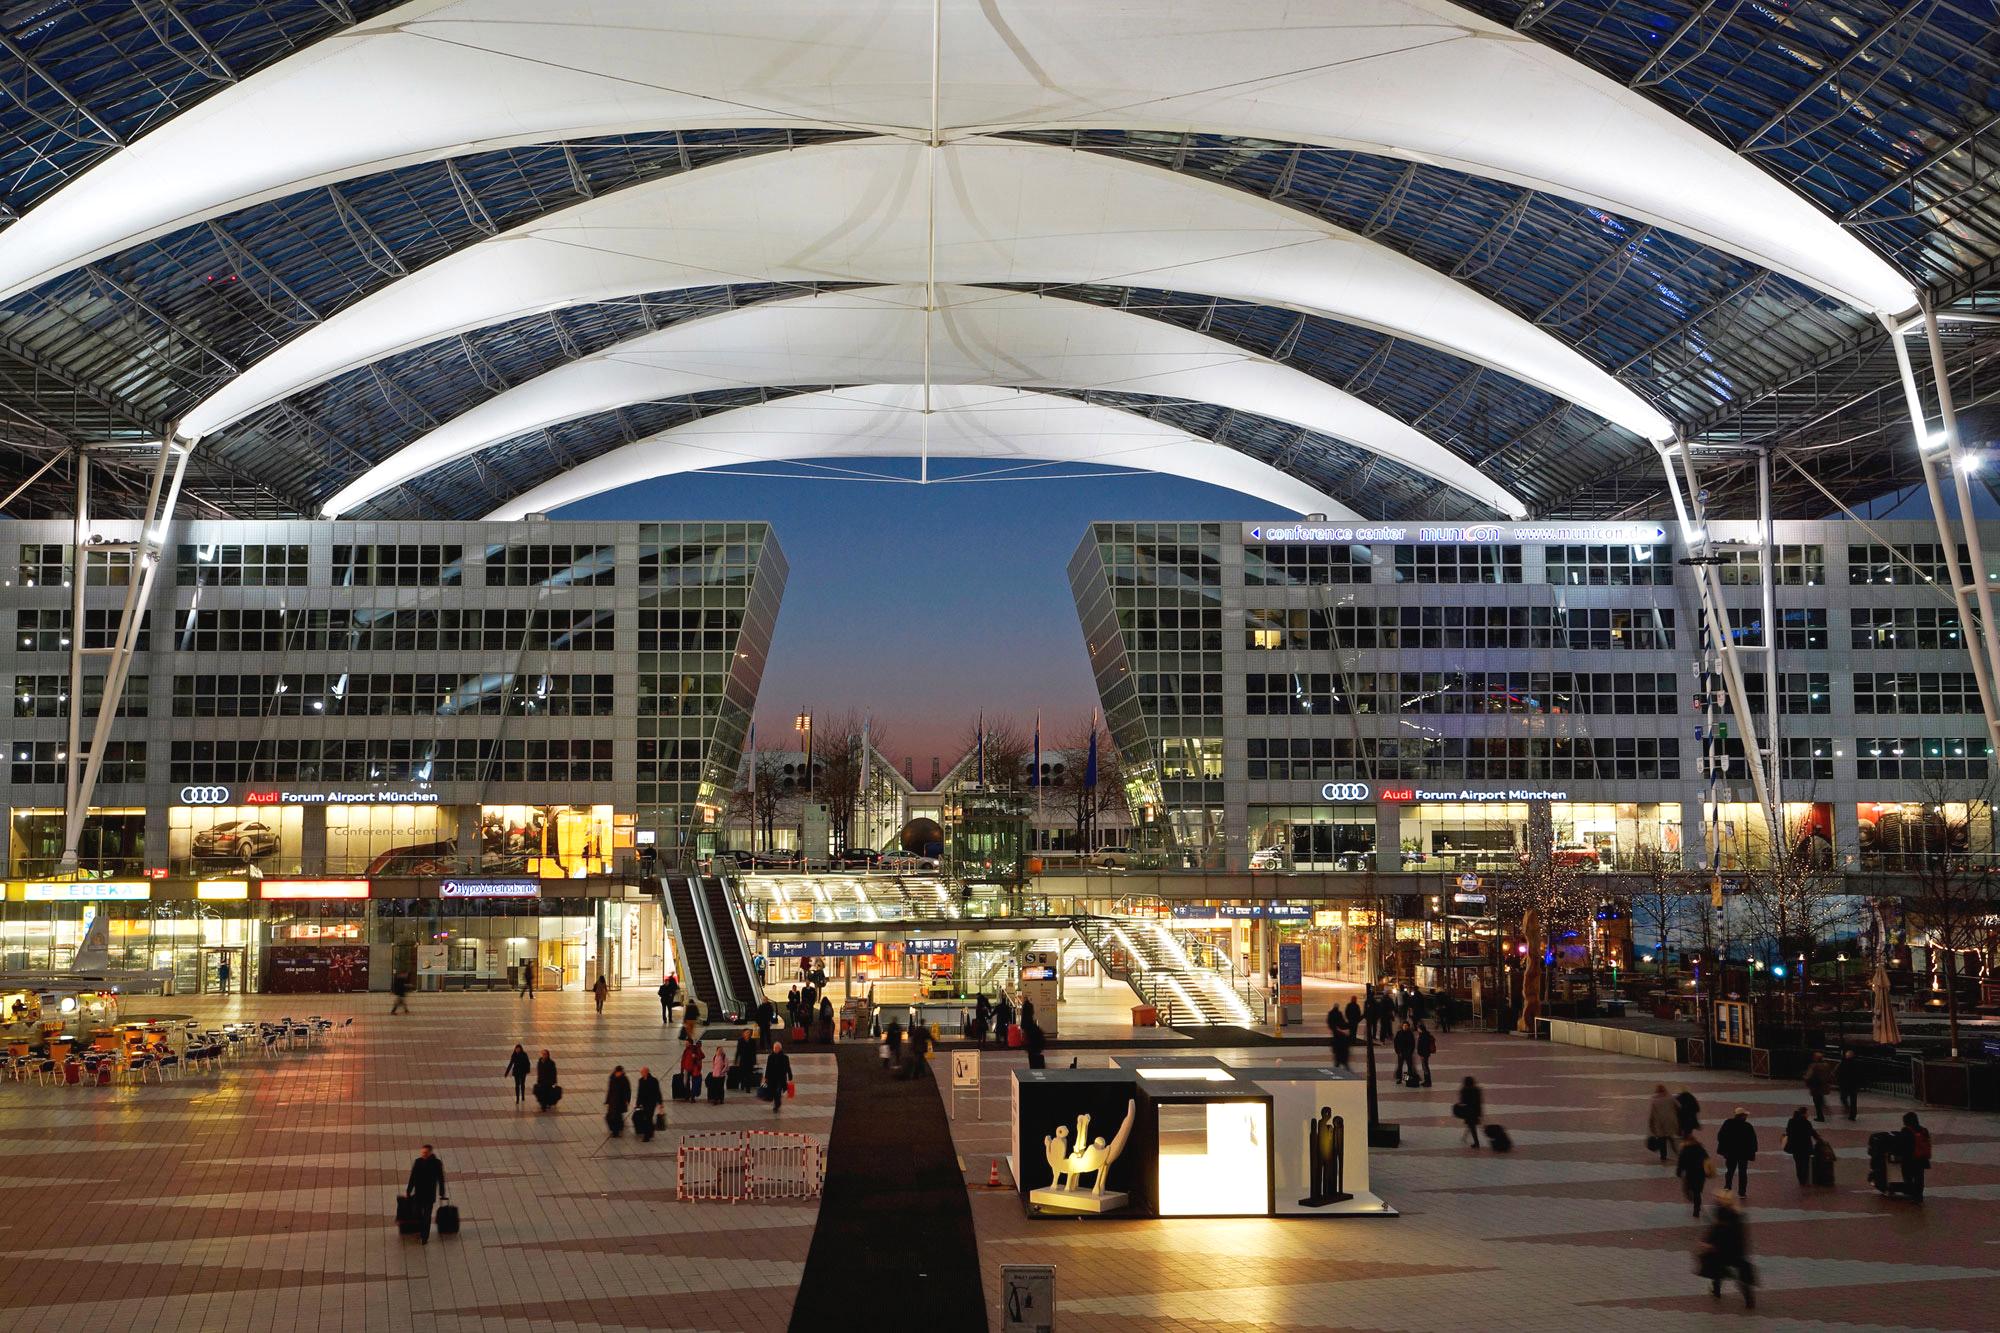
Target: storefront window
{"points": [[215, 839], [391, 840], [1312, 837], [1895, 835], [1745, 836], [112, 841], [1587, 835], [546, 841]]}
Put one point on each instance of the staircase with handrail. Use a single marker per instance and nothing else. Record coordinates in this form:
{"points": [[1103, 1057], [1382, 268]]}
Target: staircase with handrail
{"points": [[1159, 968]]}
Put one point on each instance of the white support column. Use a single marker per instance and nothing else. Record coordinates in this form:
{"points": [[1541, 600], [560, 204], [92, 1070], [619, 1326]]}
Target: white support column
{"points": [[138, 598], [1767, 556], [1927, 456], [1694, 533], [79, 535], [1982, 585]]}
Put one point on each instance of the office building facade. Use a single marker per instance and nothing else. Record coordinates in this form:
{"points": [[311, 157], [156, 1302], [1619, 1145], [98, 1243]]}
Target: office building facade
{"points": [[1380, 696]]}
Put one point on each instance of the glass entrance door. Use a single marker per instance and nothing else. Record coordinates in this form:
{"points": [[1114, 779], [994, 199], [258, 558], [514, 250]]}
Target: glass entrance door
{"points": [[222, 971]]}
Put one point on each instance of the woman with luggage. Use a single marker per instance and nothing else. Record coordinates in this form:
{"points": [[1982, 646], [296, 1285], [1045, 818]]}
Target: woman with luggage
{"points": [[687, 1083], [617, 1098], [517, 1069], [1471, 1107], [1801, 1143], [646, 1110], [718, 1076], [547, 1091]]}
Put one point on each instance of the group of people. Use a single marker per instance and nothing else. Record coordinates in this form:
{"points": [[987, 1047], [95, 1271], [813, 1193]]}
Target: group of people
{"points": [[1399, 1015], [1672, 1125], [1000, 1019]]}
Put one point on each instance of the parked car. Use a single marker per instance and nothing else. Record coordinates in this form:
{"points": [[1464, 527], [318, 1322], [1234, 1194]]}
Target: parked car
{"points": [[1268, 858], [1577, 856], [777, 858], [736, 857], [858, 858], [906, 861], [423, 860], [1112, 858], [238, 840]]}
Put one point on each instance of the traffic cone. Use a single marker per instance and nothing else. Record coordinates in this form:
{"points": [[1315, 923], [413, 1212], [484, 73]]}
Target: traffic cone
{"points": [[993, 1175]]}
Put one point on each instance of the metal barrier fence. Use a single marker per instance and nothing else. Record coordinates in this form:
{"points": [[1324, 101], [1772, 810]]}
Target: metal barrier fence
{"points": [[749, 1165]]}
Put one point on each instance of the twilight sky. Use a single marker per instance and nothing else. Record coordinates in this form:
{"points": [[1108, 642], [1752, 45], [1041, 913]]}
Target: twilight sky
{"points": [[924, 604]]}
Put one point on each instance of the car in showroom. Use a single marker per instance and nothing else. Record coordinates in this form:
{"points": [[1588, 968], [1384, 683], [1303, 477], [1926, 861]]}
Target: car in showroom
{"points": [[237, 840], [1268, 858]]}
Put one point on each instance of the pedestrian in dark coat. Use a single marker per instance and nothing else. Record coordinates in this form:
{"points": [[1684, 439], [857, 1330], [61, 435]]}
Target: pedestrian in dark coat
{"points": [[1801, 1142], [1725, 1250], [892, 1047], [669, 992], [517, 1069], [1003, 1018], [1911, 1147], [1032, 1040], [777, 1075], [1819, 1079], [646, 1112], [1736, 1145], [1847, 1076], [1342, 1035], [982, 1017], [600, 989], [1694, 1169], [1406, 1053], [767, 1019], [426, 1187], [617, 1097], [1688, 1111], [1354, 1017], [1427, 1046], [545, 1081], [1471, 1107], [746, 1059]]}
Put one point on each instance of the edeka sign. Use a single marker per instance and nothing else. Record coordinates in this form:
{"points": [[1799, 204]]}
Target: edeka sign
{"points": [[1404, 795], [1474, 534], [374, 797], [489, 888]]}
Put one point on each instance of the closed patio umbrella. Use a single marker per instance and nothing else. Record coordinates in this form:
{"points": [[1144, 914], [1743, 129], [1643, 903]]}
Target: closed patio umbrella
{"points": [[1886, 1031]]}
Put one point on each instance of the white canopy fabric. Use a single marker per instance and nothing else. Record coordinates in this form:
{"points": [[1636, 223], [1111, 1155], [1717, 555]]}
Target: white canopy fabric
{"points": [[1016, 430], [879, 335], [863, 211], [1422, 80]]}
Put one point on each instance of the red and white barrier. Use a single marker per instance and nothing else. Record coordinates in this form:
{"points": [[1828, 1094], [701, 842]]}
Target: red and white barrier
{"points": [[749, 1165]]}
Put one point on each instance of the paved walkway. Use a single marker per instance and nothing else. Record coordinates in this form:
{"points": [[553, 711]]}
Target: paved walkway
{"points": [[1579, 1227], [261, 1196]]}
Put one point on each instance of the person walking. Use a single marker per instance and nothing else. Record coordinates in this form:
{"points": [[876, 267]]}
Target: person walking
{"points": [[777, 1075], [517, 1069], [718, 1075], [1003, 1019], [545, 1081], [425, 1188], [1427, 1046], [528, 977], [617, 1097], [892, 1048], [1032, 1038], [1354, 1017], [1441, 998], [1819, 1079], [1801, 1143], [1471, 1107], [1341, 1035], [669, 989], [1687, 1112], [1725, 1250], [982, 1018], [746, 1060], [1911, 1146], [646, 1107], [1847, 1077], [600, 989], [399, 986], [767, 1020], [1694, 1169], [690, 1070], [1736, 1145], [1663, 1122], [1406, 1054]]}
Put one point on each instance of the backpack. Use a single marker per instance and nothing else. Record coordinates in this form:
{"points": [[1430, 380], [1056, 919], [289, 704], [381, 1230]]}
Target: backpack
{"points": [[1920, 1146]]}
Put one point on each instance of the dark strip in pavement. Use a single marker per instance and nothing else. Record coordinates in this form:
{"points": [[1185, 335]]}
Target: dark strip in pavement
{"points": [[894, 1236]]}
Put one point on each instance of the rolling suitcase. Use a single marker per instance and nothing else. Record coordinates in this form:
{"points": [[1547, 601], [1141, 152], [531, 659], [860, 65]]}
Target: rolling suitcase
{"points": [[447, 1219], [1822, 1166], [407, 1220], [614, 1121], [714, 1090], [1498, 1139]]}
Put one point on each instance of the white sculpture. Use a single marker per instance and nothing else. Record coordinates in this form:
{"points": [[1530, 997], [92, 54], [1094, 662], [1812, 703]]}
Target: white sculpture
{"points": [[1069, 1167]]}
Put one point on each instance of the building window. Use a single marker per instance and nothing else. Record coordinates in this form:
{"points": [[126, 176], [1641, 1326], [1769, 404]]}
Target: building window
{"points": [[45, 566], [229, 566], [1916, 692], [1172, 629], [1616, 566], [1305, 566], [1278, 628], [1904, 627], [1279, 694], [1640, 629], [41, 631], [1797, 566], [1808, 759], [669, 629], [402, 759], [537, 565], [1802, 628], [397, 566], [1868, 564], [1290, 759], [1180, 694], [48, 696], [1458, 564], [1887, 758], [42, 762]]}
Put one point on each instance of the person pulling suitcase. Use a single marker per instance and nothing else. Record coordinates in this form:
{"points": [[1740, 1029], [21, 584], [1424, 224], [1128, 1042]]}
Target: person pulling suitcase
{"points": [[646, 1110], [425, 1188], [617, 1097]]}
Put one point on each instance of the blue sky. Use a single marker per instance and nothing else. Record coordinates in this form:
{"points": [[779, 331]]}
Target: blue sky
{"points": [[924, 604]]}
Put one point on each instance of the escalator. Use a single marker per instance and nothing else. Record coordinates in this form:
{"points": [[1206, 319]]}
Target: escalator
{"points": [[726, 929], [691, 946]]}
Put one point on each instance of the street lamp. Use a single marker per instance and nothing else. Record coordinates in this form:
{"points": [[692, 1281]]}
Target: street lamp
{"points": [[803, 724]]}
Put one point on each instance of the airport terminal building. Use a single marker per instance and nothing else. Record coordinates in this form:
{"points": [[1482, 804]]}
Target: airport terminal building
{"points": [[345, 743], [1354, 696]]}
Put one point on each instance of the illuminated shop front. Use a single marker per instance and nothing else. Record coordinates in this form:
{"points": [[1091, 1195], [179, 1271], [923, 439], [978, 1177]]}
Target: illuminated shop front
{"points": [[113, 841], [1313, 837], [1896, 835], [220, 839], [1745, 836], [546, 841], [395, 838], [1457, 836]]}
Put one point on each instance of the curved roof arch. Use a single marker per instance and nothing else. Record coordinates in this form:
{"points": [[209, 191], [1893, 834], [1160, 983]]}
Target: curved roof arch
{"points": [[1420, 79], [1018, 430], [883, 335], [862, 211]]}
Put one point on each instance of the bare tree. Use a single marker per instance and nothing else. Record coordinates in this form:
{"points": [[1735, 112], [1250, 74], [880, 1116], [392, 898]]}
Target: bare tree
{"points": [[837, 747], [1085, 803], [1661, 898], [1799, 901], [1006, 749], [1550, 899], [762, 799], [1954, 899]]}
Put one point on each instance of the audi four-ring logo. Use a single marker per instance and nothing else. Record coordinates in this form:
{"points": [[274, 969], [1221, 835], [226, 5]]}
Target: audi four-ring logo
{"points": [[1344, 791], [204, 796]]}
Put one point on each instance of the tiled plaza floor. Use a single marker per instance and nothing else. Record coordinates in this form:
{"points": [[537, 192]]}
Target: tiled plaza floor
{"points": [[1578, 1228], [262, 1195]]}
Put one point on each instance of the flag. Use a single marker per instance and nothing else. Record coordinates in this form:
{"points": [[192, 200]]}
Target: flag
{"points": [[1090, 764], [980, 733], [1035, 768]]}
